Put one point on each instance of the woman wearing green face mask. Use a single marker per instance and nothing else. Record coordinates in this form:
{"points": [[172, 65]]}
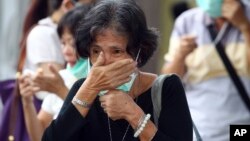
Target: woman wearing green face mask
{"points": [[58, 84], [213, 99], [113, 34]]}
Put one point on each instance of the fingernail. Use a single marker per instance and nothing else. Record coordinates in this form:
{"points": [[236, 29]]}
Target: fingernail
{"points": [[39, 70], [18, 74]]}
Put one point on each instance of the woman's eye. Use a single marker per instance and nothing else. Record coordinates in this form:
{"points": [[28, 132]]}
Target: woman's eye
{"points": [[96, 51], [118, 51], [63, 43]]}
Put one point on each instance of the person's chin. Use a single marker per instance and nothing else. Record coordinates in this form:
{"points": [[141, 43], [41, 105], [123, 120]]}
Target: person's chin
{"points": [[71, 62]]}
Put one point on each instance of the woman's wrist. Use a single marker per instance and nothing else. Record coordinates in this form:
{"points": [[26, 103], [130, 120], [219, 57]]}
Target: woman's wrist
{"points": [[89, 86], [142, 124], [87, 91], [245, 30], [84, 98], [134, 116], [63, 92], [180, 57], [27, 100], [245, 27]]}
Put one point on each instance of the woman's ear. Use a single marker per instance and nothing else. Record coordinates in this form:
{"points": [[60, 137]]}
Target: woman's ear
{"points": [[68, 4]]}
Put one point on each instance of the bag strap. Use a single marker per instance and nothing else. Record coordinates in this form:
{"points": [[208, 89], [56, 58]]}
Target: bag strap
{"points": [[230, 68], [156, 96], [16, 91], [156, 92], [13, 112]]}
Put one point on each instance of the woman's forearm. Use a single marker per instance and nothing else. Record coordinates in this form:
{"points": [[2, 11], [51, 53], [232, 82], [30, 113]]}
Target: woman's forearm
{"points": [[33, 125], [135, 119], [86, 96], [62, 92]]}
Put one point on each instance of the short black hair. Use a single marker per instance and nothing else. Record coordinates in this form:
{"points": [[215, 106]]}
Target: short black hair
{"points": [[127, 18], [72, 18], [54, 5]]}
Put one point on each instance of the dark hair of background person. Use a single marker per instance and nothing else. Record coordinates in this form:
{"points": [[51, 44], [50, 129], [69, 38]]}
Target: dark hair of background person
{"points": [[71, 19], [179, 8], [127, 18], [37, 10]]}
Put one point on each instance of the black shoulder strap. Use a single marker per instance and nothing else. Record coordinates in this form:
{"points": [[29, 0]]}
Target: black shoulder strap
{"points": [[230, 69], [156, 92]]}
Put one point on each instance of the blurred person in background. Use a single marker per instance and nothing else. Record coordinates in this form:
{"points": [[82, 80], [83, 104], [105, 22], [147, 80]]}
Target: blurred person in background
{"points": [[43, 44], [11, 22], [58, 83], [213, 99], [39, 32]]}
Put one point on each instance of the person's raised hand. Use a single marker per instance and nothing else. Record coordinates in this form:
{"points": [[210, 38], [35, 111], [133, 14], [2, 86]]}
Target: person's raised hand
{"points": [[118, 105], [187, 45], [106, 77], [27, 87], [233, 11], [52, 82]]}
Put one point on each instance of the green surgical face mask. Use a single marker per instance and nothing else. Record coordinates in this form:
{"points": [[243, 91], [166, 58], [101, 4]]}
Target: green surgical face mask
{"points": [[127, 86], [124, 87], [79, 70], [211, 7]]}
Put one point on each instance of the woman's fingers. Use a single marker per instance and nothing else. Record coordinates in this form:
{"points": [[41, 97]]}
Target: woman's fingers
{"points": [[125, 70], [100, 60], [116, 104], [27, 86], [54, 71], [28, 90], [112, 75], [121, 75], [121, 64]]}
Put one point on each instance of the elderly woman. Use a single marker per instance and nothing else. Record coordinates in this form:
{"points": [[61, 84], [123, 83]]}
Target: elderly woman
{"points": [[102, 107]]}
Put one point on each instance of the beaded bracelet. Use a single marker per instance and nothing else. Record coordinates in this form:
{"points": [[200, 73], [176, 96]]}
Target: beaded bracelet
{"points": [[141, 120], [84, 104], [142, 125]]}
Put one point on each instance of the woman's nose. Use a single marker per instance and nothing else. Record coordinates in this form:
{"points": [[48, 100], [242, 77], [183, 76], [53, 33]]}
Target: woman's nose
{"points": [[108, 58]]}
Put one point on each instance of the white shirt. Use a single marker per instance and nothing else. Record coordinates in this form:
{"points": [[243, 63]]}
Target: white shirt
{"points": [[43, 45]]}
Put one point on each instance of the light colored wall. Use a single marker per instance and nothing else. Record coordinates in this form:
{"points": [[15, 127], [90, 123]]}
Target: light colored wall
{"points": [[12, 13], [158, 14]]}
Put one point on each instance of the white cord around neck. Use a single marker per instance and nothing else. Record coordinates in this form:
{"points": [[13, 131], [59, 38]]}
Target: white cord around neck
{"points": [[110, 131]]}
